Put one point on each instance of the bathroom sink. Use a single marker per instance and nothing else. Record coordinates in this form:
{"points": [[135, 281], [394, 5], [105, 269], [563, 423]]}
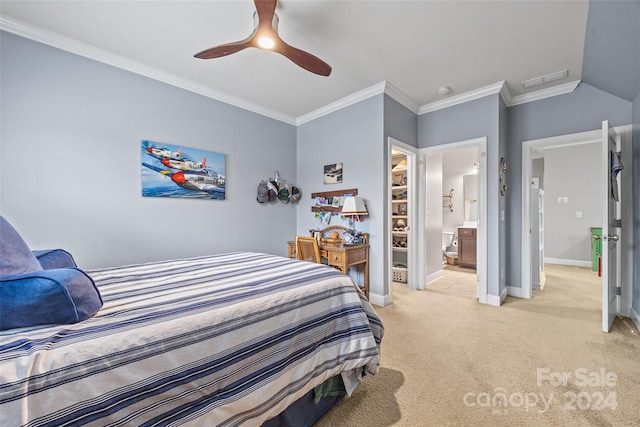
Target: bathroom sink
{"points": [[472, 224]]}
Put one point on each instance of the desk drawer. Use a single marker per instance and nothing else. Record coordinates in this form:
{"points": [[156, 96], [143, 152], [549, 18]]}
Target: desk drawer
{"points": [[335, 258]]}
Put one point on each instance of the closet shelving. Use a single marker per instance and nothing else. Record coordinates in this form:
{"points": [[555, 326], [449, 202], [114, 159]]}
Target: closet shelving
{"points": [[400, 220]]}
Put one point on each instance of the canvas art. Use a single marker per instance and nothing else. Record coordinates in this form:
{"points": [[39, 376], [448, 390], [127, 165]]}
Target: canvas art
{"points": [[333, 173], [177, 171]]}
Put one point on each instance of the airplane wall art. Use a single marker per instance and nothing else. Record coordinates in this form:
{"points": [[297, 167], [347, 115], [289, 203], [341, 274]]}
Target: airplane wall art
{"points": [[176, 171]]}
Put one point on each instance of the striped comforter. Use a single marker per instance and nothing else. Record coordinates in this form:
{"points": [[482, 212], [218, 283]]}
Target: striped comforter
{"points": [[225, 340]]}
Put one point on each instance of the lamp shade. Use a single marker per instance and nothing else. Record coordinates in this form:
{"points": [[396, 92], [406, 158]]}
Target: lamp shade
{"points": [[354, 205]]}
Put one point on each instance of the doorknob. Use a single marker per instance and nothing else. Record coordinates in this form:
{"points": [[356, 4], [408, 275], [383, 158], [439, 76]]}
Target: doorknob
{"points": [[613, 237]]}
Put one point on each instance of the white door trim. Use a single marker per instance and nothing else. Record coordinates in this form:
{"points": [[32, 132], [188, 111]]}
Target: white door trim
{"points": [[481, 232], [594, 136], [412, 211]]}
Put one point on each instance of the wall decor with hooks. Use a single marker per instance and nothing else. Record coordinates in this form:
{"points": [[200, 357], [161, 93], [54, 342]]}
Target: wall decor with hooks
{"points": [[502, 175], [447, 200], [276, 189]]}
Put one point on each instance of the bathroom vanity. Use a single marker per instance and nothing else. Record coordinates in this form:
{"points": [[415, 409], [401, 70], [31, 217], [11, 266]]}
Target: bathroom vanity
{"points": [[467, 247]]}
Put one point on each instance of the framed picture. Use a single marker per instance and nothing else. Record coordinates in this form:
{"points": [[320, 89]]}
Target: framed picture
{"points": [[333, 173], [177, 171]]}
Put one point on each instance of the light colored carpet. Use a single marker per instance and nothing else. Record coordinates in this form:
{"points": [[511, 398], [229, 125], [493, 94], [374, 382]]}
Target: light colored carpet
{"points": [[449, 361]]}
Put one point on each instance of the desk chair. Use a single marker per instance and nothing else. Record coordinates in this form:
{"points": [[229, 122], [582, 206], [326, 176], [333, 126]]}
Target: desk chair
{"points": [[307, 249]]}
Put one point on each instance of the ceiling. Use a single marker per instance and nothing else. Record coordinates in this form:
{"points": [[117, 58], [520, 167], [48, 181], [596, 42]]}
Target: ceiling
{"points": [[415, 46]]}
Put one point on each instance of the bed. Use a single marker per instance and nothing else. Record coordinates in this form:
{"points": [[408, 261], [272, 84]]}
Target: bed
{"points": [[223, 340]]}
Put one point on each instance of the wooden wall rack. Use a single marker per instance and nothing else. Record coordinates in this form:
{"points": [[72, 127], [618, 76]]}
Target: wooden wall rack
{"points": [[336, 193]]}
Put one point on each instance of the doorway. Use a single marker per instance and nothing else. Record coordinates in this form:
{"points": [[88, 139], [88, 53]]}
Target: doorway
{"points": [[402, 212], [444, 210], [577, 215]]}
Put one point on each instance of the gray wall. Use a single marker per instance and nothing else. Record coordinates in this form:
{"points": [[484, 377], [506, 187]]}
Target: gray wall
{"points": [[474, 119], [611, 59], [636, 207], [573, 172], [582, 110], [399, 122], [70, 156], [353, 136]]}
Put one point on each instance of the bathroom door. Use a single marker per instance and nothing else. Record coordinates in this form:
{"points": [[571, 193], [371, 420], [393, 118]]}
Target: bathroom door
{"points": [[609, 267]]}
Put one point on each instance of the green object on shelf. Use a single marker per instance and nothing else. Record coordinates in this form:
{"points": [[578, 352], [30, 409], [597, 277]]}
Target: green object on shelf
{"points": [[596, 247]]}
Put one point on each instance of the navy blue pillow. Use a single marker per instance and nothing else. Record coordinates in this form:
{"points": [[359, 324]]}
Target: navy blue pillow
{"points": [[54, 258], [55, 296], [15, 255]]}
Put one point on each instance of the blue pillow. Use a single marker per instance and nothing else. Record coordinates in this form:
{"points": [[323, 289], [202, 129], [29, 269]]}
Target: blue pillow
{"points": [[54, 258], [15, 255], [59, 295]]}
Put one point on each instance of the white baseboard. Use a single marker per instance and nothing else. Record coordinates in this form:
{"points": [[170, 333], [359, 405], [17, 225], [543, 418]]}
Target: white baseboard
{"points": [[635, 317], [503, 295], [435, 276], [379, 300], [515, 292], [496, 300], [569, 262]]}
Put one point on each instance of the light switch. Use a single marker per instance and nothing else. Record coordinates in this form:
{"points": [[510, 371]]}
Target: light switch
{"points": [[578, 214]]}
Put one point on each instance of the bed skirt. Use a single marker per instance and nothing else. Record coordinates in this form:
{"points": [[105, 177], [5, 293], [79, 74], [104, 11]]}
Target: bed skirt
{"points": [[304, 412]]}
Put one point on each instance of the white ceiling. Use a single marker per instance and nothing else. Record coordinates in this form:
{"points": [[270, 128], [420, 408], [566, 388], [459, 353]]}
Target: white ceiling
{"points": [[416, 46]]}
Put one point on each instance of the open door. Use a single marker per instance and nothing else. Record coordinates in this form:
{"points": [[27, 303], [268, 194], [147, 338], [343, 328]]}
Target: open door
{"points": [[610, 225]]}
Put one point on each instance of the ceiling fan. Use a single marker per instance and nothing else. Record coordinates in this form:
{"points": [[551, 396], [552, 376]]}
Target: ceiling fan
{"points": [[265, 36]]}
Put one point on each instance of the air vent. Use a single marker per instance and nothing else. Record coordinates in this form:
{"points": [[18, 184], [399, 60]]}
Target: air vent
{"points": [[547, 78]]}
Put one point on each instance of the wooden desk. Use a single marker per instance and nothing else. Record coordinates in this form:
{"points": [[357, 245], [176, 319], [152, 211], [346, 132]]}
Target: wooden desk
{"points": [[342, 257]]}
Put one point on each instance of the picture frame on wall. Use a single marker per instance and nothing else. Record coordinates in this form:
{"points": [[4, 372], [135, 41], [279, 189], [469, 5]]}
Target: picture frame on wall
{"points": [[176, 171], [333, 173]]}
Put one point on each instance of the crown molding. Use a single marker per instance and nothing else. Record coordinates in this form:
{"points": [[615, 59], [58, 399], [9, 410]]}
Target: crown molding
{"points": [[544, 93], [68, 44], [377, 89], [366, 93], [401, 98], [491, 89], [505, 94]]}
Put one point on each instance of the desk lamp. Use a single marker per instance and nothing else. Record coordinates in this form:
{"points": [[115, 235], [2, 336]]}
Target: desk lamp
{"points": [[354, 207]]}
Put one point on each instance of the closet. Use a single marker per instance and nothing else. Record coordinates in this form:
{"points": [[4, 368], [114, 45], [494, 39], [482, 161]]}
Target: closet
{"points": [[400, 218]]}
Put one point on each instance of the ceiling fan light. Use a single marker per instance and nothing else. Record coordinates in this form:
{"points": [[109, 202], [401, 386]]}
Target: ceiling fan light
{"points": [[266, 42]]}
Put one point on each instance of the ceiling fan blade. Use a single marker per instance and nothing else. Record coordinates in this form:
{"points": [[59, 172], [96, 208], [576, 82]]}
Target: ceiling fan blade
{"points": [[226, 49], [266, 9], [304, 59]]}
